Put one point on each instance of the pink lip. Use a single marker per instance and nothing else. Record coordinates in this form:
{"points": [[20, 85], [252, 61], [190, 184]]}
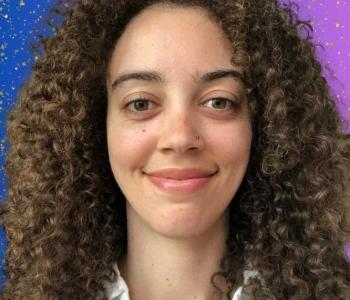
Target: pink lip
{"points": [[183, 181]]}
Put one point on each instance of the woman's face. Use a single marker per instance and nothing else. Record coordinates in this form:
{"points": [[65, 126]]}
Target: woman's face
{"points": [[159, 132]]}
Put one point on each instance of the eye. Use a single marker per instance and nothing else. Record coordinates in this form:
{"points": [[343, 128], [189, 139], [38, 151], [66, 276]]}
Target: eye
{"points": [[222, 103], [139, 103]]}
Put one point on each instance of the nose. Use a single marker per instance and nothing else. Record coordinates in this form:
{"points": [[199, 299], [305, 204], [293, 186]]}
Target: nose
{"points": [[180, 132]]}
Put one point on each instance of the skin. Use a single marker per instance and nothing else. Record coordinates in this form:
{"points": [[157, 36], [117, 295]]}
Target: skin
{"points": [[175, 241]]}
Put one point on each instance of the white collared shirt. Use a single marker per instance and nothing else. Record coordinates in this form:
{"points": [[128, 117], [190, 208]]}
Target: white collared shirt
{"points": [[119, 290]]}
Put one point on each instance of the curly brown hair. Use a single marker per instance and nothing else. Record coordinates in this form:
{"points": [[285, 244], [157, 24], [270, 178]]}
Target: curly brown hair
{"points": [[64, 215]]}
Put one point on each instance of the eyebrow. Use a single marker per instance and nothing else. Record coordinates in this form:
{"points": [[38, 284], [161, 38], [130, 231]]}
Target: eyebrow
{"points": [[154, 76]]}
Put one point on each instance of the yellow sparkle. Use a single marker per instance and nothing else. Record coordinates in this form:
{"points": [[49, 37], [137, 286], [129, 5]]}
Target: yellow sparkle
{"points": [[337, 25]]}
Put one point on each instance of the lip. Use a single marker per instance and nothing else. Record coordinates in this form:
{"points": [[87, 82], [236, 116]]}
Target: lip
{"points": [[182, 174], [181, 181]]}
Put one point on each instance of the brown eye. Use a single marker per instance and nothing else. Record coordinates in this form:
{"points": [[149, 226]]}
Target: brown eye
{"points": [[220, 103], [139, 104]]}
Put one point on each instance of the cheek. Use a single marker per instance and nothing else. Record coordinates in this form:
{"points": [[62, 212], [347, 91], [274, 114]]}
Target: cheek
{"points": [[127, 146], [232, 143]]}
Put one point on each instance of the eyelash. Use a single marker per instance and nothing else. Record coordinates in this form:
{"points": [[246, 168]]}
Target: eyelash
{"points": [[234, 104]]}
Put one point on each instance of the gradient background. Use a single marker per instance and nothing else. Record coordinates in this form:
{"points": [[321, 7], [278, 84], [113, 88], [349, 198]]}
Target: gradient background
{"points": [[22, 21]]}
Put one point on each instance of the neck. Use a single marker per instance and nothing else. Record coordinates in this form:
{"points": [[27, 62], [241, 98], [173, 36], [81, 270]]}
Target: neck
{"points": [[156, 267]]}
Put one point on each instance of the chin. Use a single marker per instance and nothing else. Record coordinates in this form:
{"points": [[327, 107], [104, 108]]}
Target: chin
{"points": [[179, 235], [181, 230]]}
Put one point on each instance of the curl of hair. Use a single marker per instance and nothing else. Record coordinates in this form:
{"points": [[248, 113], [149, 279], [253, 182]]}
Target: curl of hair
{"points": [[64, 215]]}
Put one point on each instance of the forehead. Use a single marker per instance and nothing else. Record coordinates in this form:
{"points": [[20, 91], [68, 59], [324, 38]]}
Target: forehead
{"points": [[173, 39], [163, 16]]}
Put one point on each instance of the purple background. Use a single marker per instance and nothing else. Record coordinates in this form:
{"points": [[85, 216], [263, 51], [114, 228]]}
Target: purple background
{"points": [[22, 21], [331, 21]]}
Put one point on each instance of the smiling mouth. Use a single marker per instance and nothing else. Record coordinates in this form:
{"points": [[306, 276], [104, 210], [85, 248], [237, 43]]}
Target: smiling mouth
{"points": [[180, 186]]}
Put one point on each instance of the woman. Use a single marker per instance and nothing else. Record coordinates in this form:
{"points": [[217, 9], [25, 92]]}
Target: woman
{"points": [[129, 180]]}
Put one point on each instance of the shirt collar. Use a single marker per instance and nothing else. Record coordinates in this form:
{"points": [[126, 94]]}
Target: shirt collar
{"points": [[119, 290]]}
